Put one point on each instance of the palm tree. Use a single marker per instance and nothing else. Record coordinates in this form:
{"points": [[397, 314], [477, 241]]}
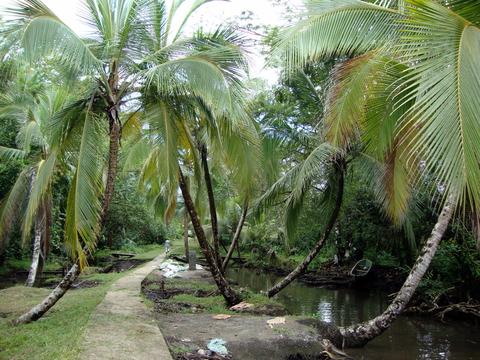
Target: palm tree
{"points": [[31, 108], [411, 96], [236, 235], [186, 136], [130, 45], [322, 169], [70, 138], [301, 179]]}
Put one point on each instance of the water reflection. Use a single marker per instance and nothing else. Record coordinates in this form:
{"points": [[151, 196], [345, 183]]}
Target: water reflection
{"points": [[408, 338]]}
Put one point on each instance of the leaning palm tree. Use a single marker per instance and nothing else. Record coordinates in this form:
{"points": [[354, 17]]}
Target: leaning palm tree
{"points": [[188, 136], [73, 136], [162, 177], [130, 44], [411, 95], [323, 169]]}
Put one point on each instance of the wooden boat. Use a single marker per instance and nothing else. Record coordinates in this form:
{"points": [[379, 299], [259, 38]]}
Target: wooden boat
{"points": [[361, 268]]}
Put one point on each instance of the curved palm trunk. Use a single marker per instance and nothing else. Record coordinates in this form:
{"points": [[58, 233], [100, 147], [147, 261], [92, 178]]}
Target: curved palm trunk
{"points": [[360, 334], [236, 237], [300, 269], [39, 310], [211, 206], [231, 297]]}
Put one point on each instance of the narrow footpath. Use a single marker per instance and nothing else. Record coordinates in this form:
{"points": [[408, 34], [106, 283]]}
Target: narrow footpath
{"points": [[122, 327]]}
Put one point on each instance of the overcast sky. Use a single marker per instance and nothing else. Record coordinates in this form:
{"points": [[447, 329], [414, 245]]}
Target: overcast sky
{"points": [[209, 16]]}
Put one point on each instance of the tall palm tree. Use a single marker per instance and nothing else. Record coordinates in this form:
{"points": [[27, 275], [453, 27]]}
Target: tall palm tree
{"points": [[188, 135], [411, 95], [193, 137], [130, 44]]}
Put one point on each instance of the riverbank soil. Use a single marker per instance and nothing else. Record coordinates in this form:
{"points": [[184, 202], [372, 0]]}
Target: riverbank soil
{"points": [[190, 314]]}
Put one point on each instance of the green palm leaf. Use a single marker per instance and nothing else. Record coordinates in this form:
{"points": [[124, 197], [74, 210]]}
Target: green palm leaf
{"points": [[43, 34], [338, 27], [83, 202], [42, 181], [13, 205], [444, 52]]}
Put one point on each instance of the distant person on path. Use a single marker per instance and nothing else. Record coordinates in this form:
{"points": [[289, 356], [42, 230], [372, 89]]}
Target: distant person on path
{"points": [[167, 247]]}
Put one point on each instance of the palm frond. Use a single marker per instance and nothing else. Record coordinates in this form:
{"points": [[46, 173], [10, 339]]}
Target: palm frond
{"points": [[41, 182], [7, 154], [44, 33], [83, 202], [12, 206], [193, 7], [444, 52], [337, 28], [346, 102], [468, 9]]}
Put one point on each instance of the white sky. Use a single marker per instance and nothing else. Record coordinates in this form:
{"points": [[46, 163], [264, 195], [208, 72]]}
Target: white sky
{"points": [[209, 16]]}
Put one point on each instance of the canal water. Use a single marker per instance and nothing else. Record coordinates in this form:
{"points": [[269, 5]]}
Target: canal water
{"points": [[410, 337]]}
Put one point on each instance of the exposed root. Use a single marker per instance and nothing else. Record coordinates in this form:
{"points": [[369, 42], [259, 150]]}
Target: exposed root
{"points": [[470, 308]]}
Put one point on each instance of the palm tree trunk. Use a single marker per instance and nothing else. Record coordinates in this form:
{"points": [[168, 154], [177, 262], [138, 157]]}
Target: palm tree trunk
{"points": [[300, 269], [185, 236], [211, 205], [236, 236], [112, 166], [37, 311], [231, 297], [360, 334], [475, 221], [36, 266]]}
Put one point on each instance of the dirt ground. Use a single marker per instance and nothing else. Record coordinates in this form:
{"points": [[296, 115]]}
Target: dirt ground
{"points": [[188, 329], [247, 337]]}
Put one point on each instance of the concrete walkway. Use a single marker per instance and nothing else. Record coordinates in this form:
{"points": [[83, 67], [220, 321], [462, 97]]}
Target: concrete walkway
{"points": [[122, 327]]}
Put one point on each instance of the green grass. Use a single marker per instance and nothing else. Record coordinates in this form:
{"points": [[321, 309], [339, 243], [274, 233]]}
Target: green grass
{"points": [[24, 264], [178, 249], [143, 252], [148, 252], [210, 304], [259, 299], [180, 283], [59, 334]]}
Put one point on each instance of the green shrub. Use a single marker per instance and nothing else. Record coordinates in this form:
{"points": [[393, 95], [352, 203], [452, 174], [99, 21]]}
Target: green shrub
{"points": [[129, 221]]}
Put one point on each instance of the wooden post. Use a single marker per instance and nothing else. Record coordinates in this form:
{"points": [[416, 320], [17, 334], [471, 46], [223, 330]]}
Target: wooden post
{"points": [[192, 260]]}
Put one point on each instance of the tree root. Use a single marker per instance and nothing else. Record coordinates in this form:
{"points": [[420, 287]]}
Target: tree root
{"points": [[470, 308]]}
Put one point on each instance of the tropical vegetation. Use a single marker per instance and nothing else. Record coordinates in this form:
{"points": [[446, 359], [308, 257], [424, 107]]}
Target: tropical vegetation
{"points": [[142, 130]]}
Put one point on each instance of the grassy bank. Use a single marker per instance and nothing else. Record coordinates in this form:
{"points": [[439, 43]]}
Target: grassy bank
{"points": [[59, 334], [56, 336]]}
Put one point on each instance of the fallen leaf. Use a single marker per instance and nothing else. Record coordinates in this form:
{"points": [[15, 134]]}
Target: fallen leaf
{"points": [[241, 306], [276, 321], [221, 316]]}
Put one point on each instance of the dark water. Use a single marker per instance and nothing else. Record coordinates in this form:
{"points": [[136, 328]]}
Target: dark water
{"points": [[408, 338]]}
